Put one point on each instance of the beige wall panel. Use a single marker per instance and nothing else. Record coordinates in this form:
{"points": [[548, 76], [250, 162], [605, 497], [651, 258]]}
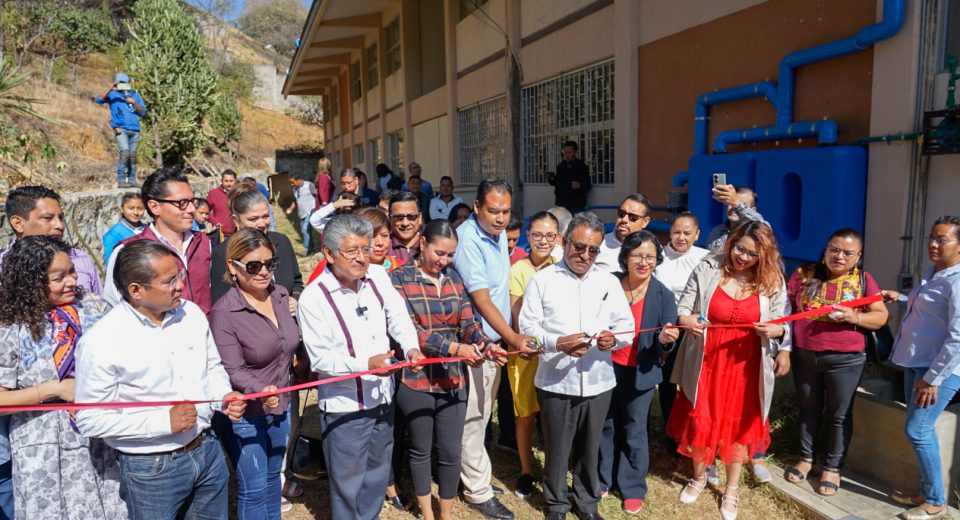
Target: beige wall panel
{"points": [[429, 106], [584, 42], [431, 143], [487, 82], [372, 98], [395, 120], [477, 37], [537, 14], [394, 86]]}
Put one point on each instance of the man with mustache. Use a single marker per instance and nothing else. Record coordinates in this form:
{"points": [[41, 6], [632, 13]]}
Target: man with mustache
{"points": [[632, 216], [405, 222]]}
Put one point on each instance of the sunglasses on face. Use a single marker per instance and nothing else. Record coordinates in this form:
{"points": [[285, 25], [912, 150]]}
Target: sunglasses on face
{"points": [[255, 266], [632, 216], [412, 217], [580, 248]]}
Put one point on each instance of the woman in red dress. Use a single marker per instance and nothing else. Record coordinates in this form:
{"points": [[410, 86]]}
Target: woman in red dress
{"points": [[727, 374]]}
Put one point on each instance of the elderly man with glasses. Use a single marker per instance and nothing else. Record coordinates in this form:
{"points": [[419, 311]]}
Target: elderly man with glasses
{"points": [[632, 216], [347, 319], [171, 203]]}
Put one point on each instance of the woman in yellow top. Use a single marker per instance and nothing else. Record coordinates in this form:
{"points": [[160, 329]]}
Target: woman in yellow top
{"points": [[542, 236]]}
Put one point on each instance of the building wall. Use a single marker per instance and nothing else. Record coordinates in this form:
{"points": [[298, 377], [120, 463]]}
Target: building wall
{"points": [[431, 142]]}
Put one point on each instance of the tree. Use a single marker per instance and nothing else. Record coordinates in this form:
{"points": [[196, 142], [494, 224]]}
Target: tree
{"points": [[166, 60], [274, 23], [224, 119], [78, 32]]}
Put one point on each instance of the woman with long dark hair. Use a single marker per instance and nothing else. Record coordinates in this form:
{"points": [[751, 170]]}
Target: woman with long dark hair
{"points": [[829, 351], [57, 473], [434, 400], [727, 374]]}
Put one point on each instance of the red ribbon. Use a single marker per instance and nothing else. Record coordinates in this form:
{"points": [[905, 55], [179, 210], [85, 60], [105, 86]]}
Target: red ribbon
{"points": [[861, 302]]}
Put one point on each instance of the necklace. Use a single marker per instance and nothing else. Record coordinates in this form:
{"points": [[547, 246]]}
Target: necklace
{"points": [[636, 294]]}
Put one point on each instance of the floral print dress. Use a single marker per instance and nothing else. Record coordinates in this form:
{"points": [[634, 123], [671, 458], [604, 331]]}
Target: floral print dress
{"points": [[57, 473]]}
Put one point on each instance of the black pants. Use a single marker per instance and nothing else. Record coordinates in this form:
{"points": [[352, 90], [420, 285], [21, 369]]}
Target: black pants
{"points": [[624, 449], [505, 417], [667, 392], [434, 419], [826, 380], [572, 427]]}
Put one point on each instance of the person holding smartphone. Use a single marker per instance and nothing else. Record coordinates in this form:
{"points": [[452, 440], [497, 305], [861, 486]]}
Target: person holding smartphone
{"points": [[126, 109], [741, 203]]}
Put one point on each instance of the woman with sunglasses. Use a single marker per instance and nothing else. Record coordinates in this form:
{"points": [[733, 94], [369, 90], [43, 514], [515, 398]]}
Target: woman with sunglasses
{"points": [[829, 352], [257, 337], [928, 349], [250, 209], [727, 374], [624, 451]]}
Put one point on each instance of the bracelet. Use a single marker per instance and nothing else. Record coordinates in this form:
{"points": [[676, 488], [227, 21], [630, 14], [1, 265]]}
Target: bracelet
{"points": [[39, 397]]}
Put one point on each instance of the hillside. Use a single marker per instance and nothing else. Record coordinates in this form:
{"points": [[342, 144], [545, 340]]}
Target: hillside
{"points": [[79, 132]]}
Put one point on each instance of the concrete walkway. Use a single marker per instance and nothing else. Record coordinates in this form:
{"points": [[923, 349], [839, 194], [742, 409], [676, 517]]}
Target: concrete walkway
{"points": [[858, 498]]}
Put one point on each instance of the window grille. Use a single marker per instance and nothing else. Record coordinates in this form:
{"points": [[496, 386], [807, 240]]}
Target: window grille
{"points": [[376, 157], [357, 156], [395, 149], [371, 55], [356, 88], [393, 46], [483, 141], [576, 106]]}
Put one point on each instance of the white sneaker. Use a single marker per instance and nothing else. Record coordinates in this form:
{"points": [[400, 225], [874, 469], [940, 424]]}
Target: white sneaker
{"points": [[713, 476]]}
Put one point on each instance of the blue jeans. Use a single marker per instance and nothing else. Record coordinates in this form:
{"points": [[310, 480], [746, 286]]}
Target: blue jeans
{"points": [[180, 485], [127, 141], [6, 491], [306, 232], [257, 446], [921, 431]]}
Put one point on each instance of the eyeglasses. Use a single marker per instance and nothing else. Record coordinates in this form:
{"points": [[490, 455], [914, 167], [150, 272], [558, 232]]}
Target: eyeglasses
{"points": [[352, 254], [845, 253], [255, 266], [940, 241], [171, 283], [642, 259], [580, 248], [744, 251], [632, 216], [400, 217], [537, 236], [181, 204]]}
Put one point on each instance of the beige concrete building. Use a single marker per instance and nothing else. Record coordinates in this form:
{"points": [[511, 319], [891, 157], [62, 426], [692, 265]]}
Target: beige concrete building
{"points": [[474, 88]]}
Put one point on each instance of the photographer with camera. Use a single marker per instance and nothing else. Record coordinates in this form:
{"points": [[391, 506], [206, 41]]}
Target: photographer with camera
{"points": [[126, 109]]}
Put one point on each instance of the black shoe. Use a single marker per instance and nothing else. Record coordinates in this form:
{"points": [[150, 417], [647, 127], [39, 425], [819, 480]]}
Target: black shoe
{"points": [[399, 502], [121, 185], [524, 487], [589, 516], [556, 516], [497, 491], [492, 509]]}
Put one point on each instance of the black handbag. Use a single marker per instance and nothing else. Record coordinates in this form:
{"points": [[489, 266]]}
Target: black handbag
{"points": [[306, 457], [880, 341]]}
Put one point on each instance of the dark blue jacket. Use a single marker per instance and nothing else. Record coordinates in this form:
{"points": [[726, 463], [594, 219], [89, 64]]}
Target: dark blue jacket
{"points": [[659, 308], [123, 115]]}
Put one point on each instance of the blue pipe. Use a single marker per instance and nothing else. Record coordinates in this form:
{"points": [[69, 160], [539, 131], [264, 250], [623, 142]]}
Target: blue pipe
{"points": [[702, 111], [658, 226], [894, 12], [825, 130], [781, 95], [680, 179]]}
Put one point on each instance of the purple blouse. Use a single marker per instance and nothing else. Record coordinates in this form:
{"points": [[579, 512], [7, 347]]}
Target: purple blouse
{"points": [[254, 352]]}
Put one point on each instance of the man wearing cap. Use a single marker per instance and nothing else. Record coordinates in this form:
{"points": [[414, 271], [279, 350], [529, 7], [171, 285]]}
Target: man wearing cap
{"points": [[126, 109]]}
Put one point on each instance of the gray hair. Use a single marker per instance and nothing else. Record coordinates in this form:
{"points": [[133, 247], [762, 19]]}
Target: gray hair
{"points": [[350, 173], [585, 219], [563, 217], [342, 225]]}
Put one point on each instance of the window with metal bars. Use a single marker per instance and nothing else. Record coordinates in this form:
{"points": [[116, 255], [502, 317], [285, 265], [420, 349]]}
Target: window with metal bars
{"points": [[393, 46], [576, 106], [376, 156], [395, 150], [356, 87], [357, 155], [483, 141], [371, 56]]}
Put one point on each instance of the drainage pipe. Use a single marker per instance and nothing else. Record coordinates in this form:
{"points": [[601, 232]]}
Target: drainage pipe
{"points": [[825, 130], [701, 118]]}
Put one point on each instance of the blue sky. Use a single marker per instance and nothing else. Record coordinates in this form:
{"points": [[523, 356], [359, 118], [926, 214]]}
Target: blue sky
{"points": [[238, 6]]}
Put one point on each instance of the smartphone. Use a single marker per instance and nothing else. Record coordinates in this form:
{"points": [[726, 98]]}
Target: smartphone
{"points": [[124, 86], [719, 178]]}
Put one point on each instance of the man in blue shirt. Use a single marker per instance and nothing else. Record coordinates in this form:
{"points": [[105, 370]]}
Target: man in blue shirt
{"points": [[126, 109]]}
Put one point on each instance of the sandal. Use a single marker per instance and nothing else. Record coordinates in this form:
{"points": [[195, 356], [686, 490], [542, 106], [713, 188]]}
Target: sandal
{"points": [[696, 487], [793, 475], [828, 489], [732, 501]]}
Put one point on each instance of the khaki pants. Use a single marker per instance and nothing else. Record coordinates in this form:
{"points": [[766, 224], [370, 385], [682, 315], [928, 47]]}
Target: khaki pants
{"points": [[475, 467]]}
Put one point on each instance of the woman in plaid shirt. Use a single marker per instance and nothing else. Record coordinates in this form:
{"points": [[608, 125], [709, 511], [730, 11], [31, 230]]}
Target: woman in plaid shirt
{"points": [[434, 401]]}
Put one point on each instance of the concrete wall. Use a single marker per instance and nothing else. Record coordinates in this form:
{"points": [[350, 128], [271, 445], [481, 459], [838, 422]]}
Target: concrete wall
{"points": [[431, 142], [267, 93]]}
